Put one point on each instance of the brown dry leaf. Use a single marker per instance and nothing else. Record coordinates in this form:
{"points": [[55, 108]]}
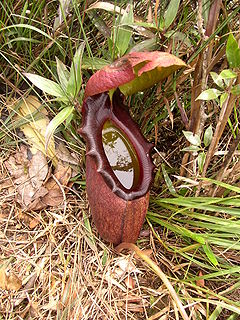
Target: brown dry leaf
{"points": [[30, 174], [6, 184], [65, 155], [33, 223], [68, 158], [17, 166], [35, 190], [28, 219], [33, 310], [55, 196], [52, 191], [9, 282], [3, 278], [13, 282], [27, 175], [62, 173], [30, 311], [38, 169], [200, 282]]}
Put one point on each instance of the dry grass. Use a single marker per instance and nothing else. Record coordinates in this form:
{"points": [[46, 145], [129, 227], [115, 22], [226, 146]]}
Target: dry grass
{"points": [[58, 268], [66, 272]]}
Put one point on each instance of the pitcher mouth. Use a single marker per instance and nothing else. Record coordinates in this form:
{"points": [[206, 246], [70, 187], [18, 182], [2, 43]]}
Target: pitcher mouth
{"points": [[127, 169]]}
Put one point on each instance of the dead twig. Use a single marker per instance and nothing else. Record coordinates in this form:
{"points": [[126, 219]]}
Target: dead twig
{"points": [[159, 272]]}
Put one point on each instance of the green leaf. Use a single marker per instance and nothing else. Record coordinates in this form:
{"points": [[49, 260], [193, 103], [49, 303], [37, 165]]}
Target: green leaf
{"points": [[224, 185], [201, 160], [227, 74], [87, 225], [168, 181], [205, 12], [179, 36], [93, 63], [233, 52], [171, 13], [209, 253], [124, 34], [104, 257], [63, 74], [180, 230], [236, 90], [104, 5], [217, 79], [75, 79], [209, 94], [192, 138], [208, 136], [191, 149], [145, 45], [46, 85], [28, 26], [55, 122], [223, 98]]}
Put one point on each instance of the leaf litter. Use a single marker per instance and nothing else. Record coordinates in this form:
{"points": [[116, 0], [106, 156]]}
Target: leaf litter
{"points": [[9, 280], [33, 180]]}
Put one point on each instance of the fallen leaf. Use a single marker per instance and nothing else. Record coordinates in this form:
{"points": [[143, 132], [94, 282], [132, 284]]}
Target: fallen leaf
{"points": [[38, 169], [63, 174], [13, 282], [17, 166], [33, 223], [56, 185], [68, 158], [28, 219], [53, 194], [6, 184], [9, 282], [53, 198], [36, 187], [127, 266], [65, 155], [3, 278], [17, 163], [33, 310], [200, 282], [27, 175]]}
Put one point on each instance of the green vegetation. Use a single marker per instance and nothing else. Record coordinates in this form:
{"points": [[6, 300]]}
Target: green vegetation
{"points": [[52, 263]]}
